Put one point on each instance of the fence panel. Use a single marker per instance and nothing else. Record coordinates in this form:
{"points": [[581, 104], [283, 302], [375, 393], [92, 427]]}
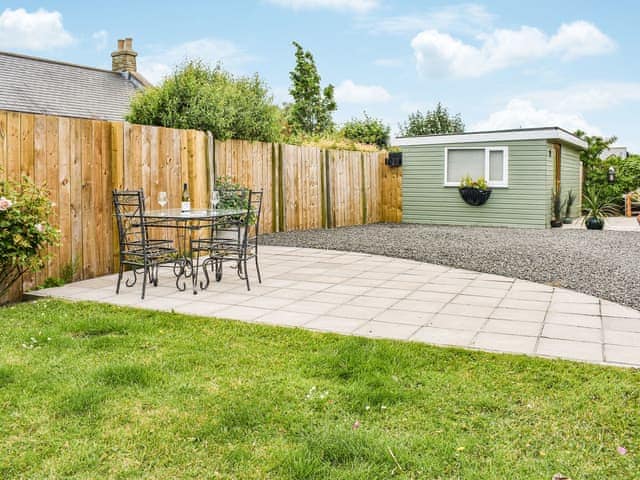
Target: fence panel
{"points": [[81, 160], [250, 164]]}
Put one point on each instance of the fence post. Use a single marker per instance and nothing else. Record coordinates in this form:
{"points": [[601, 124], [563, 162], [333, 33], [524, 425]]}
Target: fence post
{"points": [[281, 187], [323, 190], [363, 189], [211, 162], [275, 217], [327, 178]]}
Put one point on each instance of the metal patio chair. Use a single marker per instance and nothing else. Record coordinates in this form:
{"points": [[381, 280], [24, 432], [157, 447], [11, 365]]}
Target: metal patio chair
{"points": [[137, 250], [234, 241]]}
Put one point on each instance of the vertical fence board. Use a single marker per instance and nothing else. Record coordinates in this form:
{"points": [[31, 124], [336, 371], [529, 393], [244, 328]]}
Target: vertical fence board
{"points": [[52, 172], [76, 197], [3, 144], [64, 191], [87, 200]]}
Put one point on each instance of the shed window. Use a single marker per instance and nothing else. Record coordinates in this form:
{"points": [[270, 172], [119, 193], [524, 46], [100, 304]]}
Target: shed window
{"points": [[490, 163]]}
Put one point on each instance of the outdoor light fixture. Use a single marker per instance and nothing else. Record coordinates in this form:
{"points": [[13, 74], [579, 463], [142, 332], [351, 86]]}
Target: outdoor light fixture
{"points": [[611, 176]]}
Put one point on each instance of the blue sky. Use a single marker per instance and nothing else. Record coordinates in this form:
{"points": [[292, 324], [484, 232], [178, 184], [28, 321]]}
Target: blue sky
{"points": [[500, 64]]}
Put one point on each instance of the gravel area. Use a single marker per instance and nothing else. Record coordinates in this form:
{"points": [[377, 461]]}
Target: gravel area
{"points": [[601, 263]]}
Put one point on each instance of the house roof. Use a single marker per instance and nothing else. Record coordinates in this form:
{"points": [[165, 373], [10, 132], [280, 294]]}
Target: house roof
{"points": [[37, 85], [546, 133]]}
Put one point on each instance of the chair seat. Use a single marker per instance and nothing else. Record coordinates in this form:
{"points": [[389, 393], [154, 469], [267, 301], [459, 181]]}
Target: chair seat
{"points": [[151, 252]]}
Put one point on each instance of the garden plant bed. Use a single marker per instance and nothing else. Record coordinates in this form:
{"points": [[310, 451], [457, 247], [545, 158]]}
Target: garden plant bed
{"points": [[600, 263], [96, 391]]}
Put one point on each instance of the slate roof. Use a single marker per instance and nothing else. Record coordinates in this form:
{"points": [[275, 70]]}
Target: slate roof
{"points": [[37, 85]]}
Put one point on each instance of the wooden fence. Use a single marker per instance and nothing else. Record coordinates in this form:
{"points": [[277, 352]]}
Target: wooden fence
{"points": [[80, 161]]}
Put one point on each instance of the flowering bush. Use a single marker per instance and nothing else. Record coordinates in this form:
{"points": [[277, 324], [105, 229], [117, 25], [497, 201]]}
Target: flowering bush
{"points": [[24, 230]]}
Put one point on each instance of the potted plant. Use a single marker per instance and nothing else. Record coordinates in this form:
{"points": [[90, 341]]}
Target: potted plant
{"points": [[596, 208], [571, 198], [557, 206], [233, 197], [474, 192]]}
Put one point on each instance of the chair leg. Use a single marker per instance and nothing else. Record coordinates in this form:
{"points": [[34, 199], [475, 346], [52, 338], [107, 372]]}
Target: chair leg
{"points": [[144, 277], [246, 272], [258, 270], [119, 278]]}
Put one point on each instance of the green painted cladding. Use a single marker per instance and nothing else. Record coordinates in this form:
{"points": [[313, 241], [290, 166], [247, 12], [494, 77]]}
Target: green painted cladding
{"points": [[525, 202], [570, 177]]}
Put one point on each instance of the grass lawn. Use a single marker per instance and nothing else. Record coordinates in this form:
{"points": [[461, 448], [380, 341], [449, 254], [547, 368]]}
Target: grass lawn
{"points": [[93, 391]]}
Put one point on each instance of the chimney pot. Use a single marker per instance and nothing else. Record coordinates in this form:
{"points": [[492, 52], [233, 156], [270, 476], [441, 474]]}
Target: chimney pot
{"points": [[124, 58]]}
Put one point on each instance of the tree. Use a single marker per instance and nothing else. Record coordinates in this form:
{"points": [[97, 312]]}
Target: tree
{"points": [[433, 122], [367, 130], [311, 109], [595, 169], [204, 98], [591, 161]]}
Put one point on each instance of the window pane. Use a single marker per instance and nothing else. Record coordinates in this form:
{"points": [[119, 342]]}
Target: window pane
{"points": [[465, 162], [496, 163]]}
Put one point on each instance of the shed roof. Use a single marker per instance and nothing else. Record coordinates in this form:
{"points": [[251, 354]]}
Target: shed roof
{"points": [[38, 85], [546, 133]]}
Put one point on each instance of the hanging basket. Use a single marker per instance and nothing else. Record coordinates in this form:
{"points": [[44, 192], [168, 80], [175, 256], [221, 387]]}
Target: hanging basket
{"points": [[474, 196]]}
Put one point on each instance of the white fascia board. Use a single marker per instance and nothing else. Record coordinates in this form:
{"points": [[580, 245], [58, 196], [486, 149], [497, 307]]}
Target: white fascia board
{"points": [[497, 136]]}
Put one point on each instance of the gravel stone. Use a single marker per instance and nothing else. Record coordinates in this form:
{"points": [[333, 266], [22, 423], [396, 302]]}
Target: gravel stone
{"points": [[603, 263]]}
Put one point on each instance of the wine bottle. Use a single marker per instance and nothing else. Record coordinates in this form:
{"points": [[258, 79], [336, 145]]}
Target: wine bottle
{"points": [[185, 206]]}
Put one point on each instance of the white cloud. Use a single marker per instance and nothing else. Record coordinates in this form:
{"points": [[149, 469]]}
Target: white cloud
{"points": [[100, 38], [155, 67], [440, 54], [349, 92], [39, 30], [519, 113], [463, 18], [587, 97], [358, 6], [580, 39]]}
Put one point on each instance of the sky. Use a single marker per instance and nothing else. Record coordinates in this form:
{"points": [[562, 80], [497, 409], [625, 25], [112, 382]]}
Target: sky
{"points": [[499, 64]]}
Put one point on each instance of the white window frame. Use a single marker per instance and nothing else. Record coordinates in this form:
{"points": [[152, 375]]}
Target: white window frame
{"points": [[505, 166]]}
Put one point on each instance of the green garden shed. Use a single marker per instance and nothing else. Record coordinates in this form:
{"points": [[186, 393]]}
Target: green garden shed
{"points": [[523, 169]]}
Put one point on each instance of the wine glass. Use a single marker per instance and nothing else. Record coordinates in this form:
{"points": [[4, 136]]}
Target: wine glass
{"points": [[162, 199], [215, 199]]}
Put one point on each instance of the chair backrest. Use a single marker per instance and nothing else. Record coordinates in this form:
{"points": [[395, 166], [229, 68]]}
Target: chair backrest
{"points": [[129, 210], [253, 214]]}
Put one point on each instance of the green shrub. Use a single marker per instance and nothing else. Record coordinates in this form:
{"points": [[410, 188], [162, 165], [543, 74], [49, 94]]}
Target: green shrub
{"points": [[432, 122], [199, 97], [627, 177], [24, 230], [367, 130]]}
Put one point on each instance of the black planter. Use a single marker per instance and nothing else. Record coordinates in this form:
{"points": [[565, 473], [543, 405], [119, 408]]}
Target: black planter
{"points": [[556, 223], [474, 196], [593, 223], [567, 220]]}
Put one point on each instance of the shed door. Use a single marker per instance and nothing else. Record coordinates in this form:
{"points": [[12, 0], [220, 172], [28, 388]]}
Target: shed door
{"points": [[557, 166]]}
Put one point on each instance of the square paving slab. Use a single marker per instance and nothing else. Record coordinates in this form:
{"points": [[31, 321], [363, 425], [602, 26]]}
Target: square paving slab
{"points": [[379, 297]]}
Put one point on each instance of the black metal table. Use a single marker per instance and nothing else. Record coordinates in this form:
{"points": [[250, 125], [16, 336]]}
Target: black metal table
{"points": [[187, 223]]}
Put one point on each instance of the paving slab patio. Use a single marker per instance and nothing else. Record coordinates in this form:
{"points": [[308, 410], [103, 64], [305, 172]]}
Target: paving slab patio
{"points": [[382, 297]]}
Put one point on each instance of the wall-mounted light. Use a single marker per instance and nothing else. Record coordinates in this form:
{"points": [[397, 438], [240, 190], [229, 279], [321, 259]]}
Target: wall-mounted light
{"points": [[611, 175]]}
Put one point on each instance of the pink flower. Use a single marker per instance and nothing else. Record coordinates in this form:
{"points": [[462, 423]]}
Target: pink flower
{"points": [[356, 425], [39, 227], [5, 204], [621, 450]]}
